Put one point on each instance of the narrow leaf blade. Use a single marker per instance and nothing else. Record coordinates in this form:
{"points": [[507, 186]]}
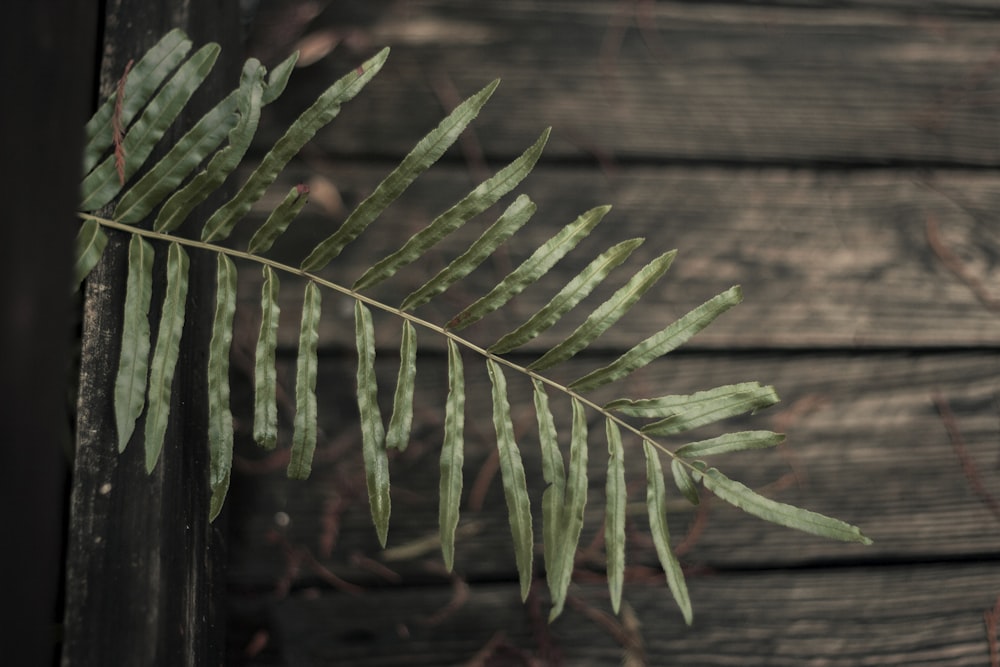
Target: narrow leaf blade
{"points": [[398, 434], [278, 221], [749, 501], [515, 487], [609, 312], [573, 509], [656, 506], [683, 481], [569, 296], [427, 151], [142, 82], [512, 219], [220, 418], [554, 474], [683, 412], [304, 426], [168, 338], [322, 111], [265, 413], [614, 520], [452, 455], [165, 177], [662, 342], [531, 269], [481, 198], [102, 184], [248, 102], [89, 246], [133, 363], [372, 430], [730, 442]]}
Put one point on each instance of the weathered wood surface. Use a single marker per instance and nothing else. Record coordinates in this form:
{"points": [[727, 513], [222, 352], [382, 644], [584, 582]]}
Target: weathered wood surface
{"points": [[927, 614], [143, 564], [658, 81], [837, 160]]}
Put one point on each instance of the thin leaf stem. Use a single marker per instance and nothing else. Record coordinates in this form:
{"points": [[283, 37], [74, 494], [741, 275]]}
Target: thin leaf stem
{"points": [[279, 266]]}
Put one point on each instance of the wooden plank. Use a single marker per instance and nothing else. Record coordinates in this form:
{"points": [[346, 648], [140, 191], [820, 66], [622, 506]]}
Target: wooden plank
{"points": [[923, 615], [677, 81], [142, 559], [865, 444], [826, 258]]}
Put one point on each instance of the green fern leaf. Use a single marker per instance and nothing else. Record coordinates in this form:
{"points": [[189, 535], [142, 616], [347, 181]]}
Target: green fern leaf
{"points": [[531, 269], [133, 362], [372, 430], [512, 219], [607, 313], [749, 501], [660, 343], [249, 99], [102, 184], [304, 429], [141, 83], [162, 180], [423, 155], [571, 517], [569, 296], [220, 418], [89, 246], [656, 506], [614, 519], [265, 413], [452, 455], [683, 481], [398, 434], [168, 339], [278, 221], [323, 110], [730, 442], [554, 474], [515, 488], [684, 412], [278, 78], [481, 198]]}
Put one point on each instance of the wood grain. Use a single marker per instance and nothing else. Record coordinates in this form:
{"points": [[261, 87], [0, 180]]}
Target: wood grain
{"points": [[677, 81]]}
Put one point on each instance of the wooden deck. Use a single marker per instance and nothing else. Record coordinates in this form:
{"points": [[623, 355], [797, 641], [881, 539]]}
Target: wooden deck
{"points": [[840, 161]]}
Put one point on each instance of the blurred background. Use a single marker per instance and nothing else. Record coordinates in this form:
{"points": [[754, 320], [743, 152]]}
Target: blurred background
{"points": [[839, 160]]}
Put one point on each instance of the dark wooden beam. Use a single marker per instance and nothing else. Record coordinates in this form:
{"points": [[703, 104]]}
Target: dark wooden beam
{"points": [[142, 567]]}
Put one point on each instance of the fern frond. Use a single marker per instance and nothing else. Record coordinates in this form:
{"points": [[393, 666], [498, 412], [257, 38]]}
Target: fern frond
{"points": [[220, 418], [102, 184], [89, 246], [531, 269], [143, 80], [323, 110], [265, 412], [372, 429], [168, 341], [398, 434], [481, 198], [423, 155], [155, 92], [133, 362], [452, 455], [616, 497], [656, 506], [515, 488], [306, 368]]}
